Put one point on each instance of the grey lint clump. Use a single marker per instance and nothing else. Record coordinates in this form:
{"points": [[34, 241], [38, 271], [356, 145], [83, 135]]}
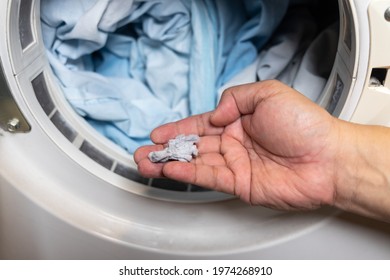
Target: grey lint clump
{"points": [[181, 148]]}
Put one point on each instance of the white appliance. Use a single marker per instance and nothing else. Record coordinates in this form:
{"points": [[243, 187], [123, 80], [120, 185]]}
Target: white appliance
{"points": [[68, 193]]}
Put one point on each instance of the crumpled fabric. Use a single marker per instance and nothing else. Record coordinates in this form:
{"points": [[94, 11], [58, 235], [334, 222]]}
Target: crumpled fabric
{"points": [[182, 148], [128, 66]]}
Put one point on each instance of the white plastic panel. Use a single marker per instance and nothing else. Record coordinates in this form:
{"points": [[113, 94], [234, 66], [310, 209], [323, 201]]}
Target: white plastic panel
{"points": [[374, 104]]}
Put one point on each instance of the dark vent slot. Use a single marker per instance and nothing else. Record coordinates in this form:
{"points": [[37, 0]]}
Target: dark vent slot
{"points": [[337, 93], [170, 185], [42, 93], [378, 76], [25, 28], [195, 188], [96, 155], [347, 25], [63, 126], [130, 174]]}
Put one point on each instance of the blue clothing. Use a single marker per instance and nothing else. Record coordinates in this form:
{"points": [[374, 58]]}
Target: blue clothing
{"points": [[130, 66]]}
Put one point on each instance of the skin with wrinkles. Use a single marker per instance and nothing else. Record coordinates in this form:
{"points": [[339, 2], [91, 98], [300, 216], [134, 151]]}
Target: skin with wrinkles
{"points": [[254, 149]]}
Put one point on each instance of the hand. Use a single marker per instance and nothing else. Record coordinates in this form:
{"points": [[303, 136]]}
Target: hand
{"points": [[265, 143]]}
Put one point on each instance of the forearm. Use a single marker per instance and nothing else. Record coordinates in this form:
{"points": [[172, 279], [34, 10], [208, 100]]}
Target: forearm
{"points": [[363, 170]]}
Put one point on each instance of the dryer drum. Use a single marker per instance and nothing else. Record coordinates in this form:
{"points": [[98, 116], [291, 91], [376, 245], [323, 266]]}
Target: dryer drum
{"points": [[116, 61]]}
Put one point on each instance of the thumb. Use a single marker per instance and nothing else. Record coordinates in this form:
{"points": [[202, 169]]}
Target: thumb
{"points": [[242, 100]]}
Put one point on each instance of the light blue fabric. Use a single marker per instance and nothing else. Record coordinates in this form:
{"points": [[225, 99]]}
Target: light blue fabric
{"points": [[129, 66], [243, 27], [298, 54]]}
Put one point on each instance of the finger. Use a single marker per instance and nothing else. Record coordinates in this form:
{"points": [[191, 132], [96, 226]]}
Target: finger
{"points": [[149, 169], [241, 100], [218, 178], [198, 124], [209, 144], [154, 170], [143, 152]]}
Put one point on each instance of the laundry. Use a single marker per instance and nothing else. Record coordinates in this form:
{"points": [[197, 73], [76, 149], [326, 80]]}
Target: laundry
{"points": [[130, 66], [181, 148], [295, 55]]}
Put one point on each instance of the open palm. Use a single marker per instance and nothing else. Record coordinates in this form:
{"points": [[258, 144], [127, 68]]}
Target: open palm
{"points": [[265, 143]]}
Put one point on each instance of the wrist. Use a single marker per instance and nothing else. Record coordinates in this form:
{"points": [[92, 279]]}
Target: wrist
{"points": [[362, 164], [346, 164]]}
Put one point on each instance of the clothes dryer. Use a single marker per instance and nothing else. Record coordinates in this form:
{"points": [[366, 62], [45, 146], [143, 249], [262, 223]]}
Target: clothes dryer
{"points": [[66, 192]]}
